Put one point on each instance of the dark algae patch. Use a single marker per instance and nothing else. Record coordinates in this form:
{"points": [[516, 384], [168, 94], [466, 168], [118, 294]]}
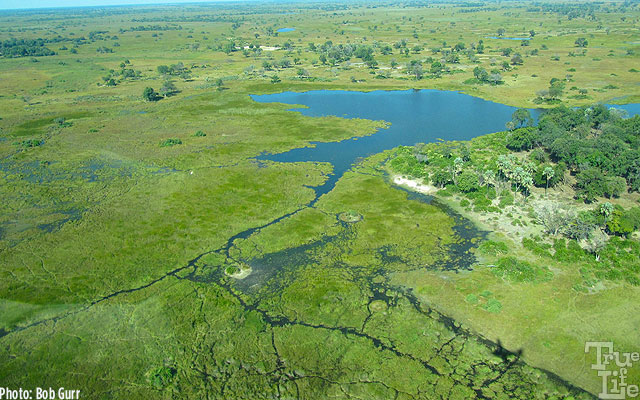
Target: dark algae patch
{"points": [[38, 126]]}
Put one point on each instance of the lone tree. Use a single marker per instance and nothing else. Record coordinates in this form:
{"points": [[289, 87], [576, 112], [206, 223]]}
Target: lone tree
{"points": [[149, 94], [495, 78], [415, 69], [581, 42], [168, 88], [480, 74], [521, 117], [553, 217], [517, 59]]}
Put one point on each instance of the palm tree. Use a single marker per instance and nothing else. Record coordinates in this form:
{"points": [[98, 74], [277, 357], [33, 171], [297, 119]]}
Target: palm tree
{"points": [[489, 178], [523, 180], [457, 168], [548, 173], [505, 166], [606, 209]]}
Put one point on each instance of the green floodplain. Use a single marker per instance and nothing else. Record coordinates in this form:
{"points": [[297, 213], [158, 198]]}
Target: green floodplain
{"points": [[145, 253]]}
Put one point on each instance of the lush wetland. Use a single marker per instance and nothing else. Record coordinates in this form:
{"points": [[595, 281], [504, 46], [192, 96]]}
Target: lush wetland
{"points": [[223, 200]]}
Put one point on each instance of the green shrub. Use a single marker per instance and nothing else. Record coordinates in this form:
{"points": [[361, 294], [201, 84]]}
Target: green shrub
{"points": [[170, 142], [536, 247], [468, 181], [407, 164], [161, 377], [149, 94], [568, 252], [624, 222], [492, 248], [632, 279], [31, 143], [506, 199], [514, 270], [493, 306], [481, 202]]}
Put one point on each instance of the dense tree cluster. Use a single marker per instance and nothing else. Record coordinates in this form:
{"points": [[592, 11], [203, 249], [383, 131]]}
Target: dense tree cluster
{"points": [[585, 225], [124, 73], [149, 94], [144, 28], [178, 69], [481, 74], [571, 11], [13, 48], [595, 143], [334, 54]]}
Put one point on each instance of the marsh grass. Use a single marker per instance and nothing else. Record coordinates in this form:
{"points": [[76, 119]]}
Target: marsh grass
{"points": [[147, 210]]}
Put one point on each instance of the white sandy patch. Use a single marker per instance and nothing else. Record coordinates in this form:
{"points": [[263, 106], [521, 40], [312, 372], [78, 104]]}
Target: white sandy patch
{"points": [[415, 184], [265, 48], [243, 273]]}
